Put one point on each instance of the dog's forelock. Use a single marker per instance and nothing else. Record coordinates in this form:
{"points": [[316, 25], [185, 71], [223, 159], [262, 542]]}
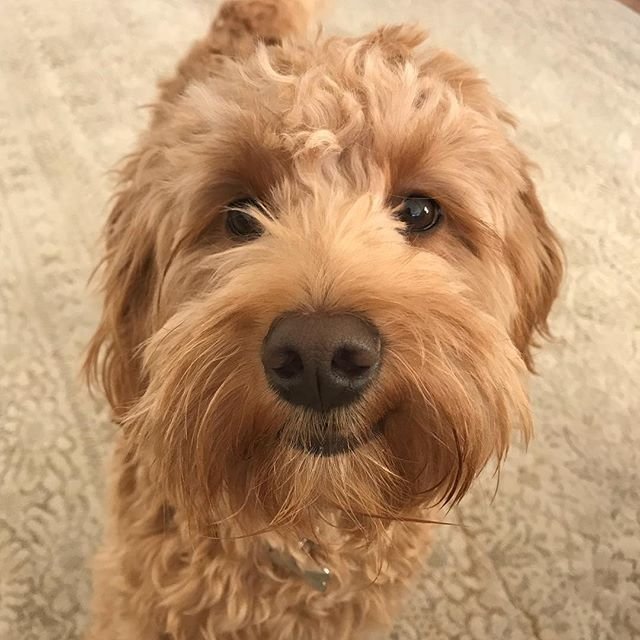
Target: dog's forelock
{"points": [[351, 110]]}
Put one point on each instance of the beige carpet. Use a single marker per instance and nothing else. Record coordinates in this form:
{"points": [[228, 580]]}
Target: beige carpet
{"points": [[557, 555]]}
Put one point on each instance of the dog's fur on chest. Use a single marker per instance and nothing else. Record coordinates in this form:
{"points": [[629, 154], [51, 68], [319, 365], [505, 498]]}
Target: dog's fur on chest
{"points": [[153, 574], [353, 207]]}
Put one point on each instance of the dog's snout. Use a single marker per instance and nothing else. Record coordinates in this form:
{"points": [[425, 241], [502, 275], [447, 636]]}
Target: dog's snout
{"points": [[319, 360]]}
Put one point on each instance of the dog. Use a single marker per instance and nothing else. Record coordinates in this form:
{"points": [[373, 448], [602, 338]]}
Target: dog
{"points": [[326, 269]]}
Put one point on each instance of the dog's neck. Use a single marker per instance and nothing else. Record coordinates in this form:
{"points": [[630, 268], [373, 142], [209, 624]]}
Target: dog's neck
{"points": [[334, 551]]}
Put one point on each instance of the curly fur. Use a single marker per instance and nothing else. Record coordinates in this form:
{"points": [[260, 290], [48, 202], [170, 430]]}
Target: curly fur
{"points": [[322, 131]]}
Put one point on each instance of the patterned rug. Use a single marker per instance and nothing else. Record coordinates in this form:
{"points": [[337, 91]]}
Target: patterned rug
{"points": [[556, 555]]}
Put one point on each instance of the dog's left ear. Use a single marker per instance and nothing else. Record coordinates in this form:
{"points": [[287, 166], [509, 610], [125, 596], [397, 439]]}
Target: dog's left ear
{"points": [[535, 258], [532, 250], [129, 274]]}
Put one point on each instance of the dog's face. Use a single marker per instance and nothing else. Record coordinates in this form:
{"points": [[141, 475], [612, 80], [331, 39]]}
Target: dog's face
{"points": [[324, 271]]}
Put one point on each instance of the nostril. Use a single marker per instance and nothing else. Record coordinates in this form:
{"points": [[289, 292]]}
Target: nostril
{"points": [[353, 362], [287, 364]]}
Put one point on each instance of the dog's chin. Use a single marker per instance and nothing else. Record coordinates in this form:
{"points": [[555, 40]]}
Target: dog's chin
{"points": [[334, 444]]}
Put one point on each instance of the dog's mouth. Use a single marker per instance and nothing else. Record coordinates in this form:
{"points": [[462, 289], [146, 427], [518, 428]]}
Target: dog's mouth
{"points": [[333, 444]]}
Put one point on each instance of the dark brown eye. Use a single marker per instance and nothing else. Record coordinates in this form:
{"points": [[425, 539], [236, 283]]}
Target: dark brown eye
{"points": [[240, 223], [418, 213]]}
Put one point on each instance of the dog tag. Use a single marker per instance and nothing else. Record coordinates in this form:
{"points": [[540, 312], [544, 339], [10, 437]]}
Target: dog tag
{"points": [[284, 561], [318, 580]]}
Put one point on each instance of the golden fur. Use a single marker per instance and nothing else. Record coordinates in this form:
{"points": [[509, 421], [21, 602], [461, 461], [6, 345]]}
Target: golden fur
{"points": [[322, 132]]}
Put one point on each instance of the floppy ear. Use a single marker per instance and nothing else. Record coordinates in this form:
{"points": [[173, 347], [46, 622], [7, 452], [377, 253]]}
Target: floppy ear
{"points": [[532, 249], [536, 261], [129, 274]]}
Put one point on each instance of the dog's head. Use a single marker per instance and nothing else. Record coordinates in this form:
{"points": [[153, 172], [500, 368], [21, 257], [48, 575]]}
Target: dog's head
{"points": [[325, 270]]}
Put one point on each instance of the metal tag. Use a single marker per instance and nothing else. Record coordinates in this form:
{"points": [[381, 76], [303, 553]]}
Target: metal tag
{"points": [[318, 580]]}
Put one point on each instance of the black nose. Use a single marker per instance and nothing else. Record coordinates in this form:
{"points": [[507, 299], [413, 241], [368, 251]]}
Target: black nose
{"points": [[321, 361]]}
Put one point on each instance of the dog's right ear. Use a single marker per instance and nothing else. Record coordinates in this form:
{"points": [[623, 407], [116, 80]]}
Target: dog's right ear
{"points": [[129, 275], [536, 260]]}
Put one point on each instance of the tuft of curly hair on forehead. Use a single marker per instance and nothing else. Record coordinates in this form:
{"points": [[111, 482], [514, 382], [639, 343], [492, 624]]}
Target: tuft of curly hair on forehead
{"points": [[315, 142]]}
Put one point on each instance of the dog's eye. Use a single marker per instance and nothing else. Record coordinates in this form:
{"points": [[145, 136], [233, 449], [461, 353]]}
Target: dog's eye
{"points": [[418, 213], [240, 223]]}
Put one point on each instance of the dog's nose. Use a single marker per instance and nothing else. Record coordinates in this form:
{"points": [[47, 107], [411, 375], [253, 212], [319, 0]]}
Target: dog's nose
{"points": [[319, 360]]}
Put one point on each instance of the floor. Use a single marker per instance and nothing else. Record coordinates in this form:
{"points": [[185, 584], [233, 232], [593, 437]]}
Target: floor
{"points": [[555, 555]]}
